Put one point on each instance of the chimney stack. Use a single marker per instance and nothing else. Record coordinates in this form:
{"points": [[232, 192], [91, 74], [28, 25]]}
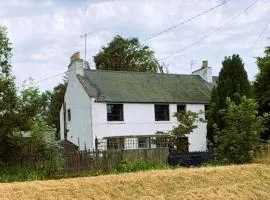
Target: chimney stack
{"points": [[205, 72], [76, 64], [204, 63], [75, 56]]}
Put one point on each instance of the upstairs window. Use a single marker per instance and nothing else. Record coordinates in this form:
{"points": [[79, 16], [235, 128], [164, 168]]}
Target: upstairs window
{"points": [[69, 114], [115, 112], [181, 108], [162, 113]]}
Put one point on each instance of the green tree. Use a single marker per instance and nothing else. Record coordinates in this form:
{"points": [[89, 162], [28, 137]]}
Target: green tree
{"points": [[43, 136], [238, 139], [262, 88], [7, 100], [127, 55], [32, 105], [232, 82], [57, 99]]}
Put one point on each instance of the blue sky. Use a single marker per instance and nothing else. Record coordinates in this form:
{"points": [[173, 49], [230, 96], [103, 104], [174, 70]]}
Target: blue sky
{"points": [[45, 33]]}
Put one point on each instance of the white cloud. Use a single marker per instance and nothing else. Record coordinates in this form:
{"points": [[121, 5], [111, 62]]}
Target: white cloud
{"points": [[45, 33]]}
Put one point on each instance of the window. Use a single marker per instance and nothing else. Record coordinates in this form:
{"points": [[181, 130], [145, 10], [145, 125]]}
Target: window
{"points": [[115, 112], [69, 114], [181, 108], [115, 143], [162, 142], [143, 142], [162, 113]]}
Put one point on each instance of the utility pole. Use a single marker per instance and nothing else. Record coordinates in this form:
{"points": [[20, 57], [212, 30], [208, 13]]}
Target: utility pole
{"points": [[85, 46]]}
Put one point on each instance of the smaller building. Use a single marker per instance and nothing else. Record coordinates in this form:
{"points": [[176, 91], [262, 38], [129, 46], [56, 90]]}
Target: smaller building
{"points": [[127, 110]]}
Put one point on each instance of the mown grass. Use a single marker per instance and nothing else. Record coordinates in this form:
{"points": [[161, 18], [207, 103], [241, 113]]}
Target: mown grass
{"points": [[250, 181]]}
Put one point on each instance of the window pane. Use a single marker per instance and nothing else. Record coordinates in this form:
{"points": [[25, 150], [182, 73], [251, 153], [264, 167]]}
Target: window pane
{"points": [[115, 143], [143, 142], [115, 112], [112, 143], [181, 108], [161, 142], [162, 113], [69, 114]]}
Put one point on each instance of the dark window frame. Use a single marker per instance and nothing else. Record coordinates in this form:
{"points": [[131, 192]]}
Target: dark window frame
{"points": [[69, 114], [159, 112], [115, 143], [143, 142], [181, 107], [115, 112]]}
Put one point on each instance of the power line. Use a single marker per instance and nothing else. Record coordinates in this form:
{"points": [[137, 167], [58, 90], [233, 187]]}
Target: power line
{"points": [[183, 22], [48, 78], [258, 38], [211, 33], [193, 44]]}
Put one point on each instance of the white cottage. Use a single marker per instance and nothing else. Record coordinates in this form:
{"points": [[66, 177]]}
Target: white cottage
{"points": [[127, 109]]}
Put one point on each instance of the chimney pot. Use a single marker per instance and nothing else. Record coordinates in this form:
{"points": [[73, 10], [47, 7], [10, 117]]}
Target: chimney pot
{"points": [[75, 56], [205, 64]]}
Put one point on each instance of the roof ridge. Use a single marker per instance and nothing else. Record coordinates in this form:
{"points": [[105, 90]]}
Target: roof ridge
{"points": [[135, 72]]}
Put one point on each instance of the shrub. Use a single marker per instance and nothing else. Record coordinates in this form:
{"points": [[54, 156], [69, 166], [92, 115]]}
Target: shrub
{"points": [[238, 139], [134, 166], [17, 173]]}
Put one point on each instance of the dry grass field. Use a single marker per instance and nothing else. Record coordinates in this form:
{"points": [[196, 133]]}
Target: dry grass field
{"points": [[228, 182]]}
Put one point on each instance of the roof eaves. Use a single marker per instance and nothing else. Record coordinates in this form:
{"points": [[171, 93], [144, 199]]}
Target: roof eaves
{"points": [[89, 89]]}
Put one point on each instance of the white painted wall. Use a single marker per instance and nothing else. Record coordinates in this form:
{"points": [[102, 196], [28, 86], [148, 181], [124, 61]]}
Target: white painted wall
{"points": [[197, 138], [89, 118], [61, 124], [80, 104], [139, 119]]}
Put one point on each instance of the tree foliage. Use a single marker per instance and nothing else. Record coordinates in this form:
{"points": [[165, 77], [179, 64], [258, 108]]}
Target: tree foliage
{"points": [[57, 99], [7, 99], [127, 55], [43, 136], [238, 139], [32, 105], [187, 122], [232, 82], [262, 88]]}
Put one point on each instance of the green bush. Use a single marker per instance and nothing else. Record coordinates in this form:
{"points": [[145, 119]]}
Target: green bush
{"points": [[134, 166], [16, 173], [238, 140]]}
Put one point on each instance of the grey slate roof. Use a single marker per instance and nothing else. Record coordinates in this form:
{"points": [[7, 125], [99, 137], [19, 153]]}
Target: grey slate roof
{"points": [[144, 87]]}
